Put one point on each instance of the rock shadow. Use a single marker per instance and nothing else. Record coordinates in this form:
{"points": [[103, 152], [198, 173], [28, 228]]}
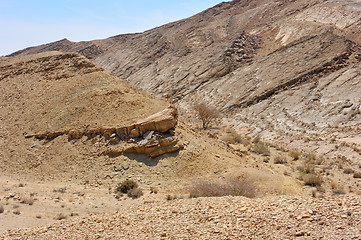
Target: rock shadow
{"points": [[148, 161]]}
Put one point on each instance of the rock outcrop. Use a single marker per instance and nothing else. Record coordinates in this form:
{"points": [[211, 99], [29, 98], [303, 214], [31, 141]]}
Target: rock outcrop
{"points": [[162, 122]]}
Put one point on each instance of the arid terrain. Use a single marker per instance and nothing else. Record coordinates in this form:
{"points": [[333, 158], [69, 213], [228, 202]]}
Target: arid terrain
{"points": [[79, 118]]}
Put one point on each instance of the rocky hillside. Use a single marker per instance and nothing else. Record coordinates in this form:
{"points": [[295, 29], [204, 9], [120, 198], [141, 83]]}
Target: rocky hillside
{"points": [[64, 118], [242, 55]]}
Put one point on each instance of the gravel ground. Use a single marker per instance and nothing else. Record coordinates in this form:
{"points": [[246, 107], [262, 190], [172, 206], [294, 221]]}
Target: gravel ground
{"points": [[215, 218]]}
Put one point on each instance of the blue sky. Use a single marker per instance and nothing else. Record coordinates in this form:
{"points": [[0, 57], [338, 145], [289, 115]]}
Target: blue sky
{"points": [[25, 23]]}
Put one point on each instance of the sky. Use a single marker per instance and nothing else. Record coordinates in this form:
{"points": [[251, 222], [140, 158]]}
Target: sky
{"points": [[26, 23]]}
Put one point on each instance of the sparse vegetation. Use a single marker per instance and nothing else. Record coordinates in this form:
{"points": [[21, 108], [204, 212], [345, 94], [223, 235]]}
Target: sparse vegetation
{"points": [[153, 190], [135, 193], [60, 190], [16, 212], [337, 188], [129, 187], [261, 148], [312, 179], [233, 137], [348, 171], [125, 186], [27, 200], [279, 160], [206, 113], [60, 216], [295, 154], [231, 187], [173, 197], [357, 175], [306, 168]]}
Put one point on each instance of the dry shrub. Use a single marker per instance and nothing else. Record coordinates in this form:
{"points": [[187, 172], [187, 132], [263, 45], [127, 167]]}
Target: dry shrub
{"points": [[1, 208], [16, 212], [173, 197], [170, 197], [153, 190], [129, 187], [312, 179], [230, 187], [126, 186], [295, 154], [135, 193], [306, 168], [261, 148], [279, 160], [27, 200], [60, 190], [357, 175], [233, 137], [206, 113], [60, 216], [337, 188], [348, 171], [313, 159]]}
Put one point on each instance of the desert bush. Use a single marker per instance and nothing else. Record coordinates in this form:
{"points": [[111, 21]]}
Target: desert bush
{"points": [[279, 160], [295, 154], [320, 189], [169, 197], [312, 179], [16, 212], [261, 148], [60, 190], [232, 137], [206, 113], [153, 190], [337, 188], [231, 187], [306, 168], [357, 175], [348, 171], [60, 216], [126, 186], [135, 193], [27, 200], [174, 197], [1, 208], [313, 159]]}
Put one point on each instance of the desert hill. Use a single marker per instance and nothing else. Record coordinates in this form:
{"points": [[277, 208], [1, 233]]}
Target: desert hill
{"points": [[68, 124], [241, 55], [79, 118]]}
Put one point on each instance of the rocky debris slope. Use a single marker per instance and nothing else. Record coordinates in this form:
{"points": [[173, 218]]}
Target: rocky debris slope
{"points": [[215, 218]]}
